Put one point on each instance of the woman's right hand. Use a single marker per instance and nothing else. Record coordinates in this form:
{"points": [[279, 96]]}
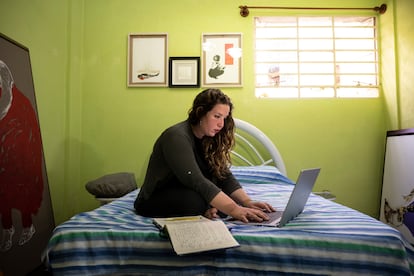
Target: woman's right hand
{"points": [[227, 205], [246, 214]]}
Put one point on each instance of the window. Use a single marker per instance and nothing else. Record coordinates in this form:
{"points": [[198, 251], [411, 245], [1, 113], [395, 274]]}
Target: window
{"points": [[304, 57]]}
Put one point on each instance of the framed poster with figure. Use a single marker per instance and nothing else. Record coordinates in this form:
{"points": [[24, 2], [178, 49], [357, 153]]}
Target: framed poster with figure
{"points": [[222, 60], [26, 216]]}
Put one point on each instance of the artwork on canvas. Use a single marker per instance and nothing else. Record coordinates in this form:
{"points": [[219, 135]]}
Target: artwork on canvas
{"points": [[26, 216], [397, 202]]}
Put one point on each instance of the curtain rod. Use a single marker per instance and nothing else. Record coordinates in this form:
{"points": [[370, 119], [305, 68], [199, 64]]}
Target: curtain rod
{"points": [[244, 10]]}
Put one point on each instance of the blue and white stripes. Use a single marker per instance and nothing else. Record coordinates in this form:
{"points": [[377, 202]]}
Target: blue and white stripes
{"points": [[326, 239]]}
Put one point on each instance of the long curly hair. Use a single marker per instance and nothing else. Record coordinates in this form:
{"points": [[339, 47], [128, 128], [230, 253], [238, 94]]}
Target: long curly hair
{"points": [[217, 149]]}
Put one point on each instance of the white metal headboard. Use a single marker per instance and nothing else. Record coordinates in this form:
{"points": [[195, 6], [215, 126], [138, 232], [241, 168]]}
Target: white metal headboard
{"points": [[258, 137]]}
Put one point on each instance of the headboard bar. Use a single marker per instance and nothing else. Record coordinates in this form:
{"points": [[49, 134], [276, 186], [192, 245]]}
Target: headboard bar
{"points": [[257, 134], [241, 157], [250, 145]]}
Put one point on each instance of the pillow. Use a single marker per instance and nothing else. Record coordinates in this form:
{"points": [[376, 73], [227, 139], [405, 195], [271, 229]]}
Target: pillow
{"points": [[112, 185], [259, 174]]}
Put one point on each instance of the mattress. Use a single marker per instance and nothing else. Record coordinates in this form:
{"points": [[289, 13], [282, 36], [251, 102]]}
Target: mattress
{"points": [[327, 238]]}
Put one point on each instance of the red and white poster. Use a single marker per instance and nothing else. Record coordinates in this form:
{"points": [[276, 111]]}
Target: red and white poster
{"points": [[26, 216]]}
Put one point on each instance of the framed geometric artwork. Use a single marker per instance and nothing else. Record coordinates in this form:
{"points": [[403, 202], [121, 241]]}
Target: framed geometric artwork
{"points": [[222, 60], [184, 72], [147, 60]]}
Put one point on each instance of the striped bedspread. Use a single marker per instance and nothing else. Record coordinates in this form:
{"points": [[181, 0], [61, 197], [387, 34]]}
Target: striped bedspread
{"points": [[326, 239]]}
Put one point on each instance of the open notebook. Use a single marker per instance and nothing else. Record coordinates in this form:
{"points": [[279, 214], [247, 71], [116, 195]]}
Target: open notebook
{"points": [[195, 234]]}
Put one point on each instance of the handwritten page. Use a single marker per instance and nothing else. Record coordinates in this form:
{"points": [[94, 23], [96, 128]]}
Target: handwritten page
{"points": [[203, 235]]}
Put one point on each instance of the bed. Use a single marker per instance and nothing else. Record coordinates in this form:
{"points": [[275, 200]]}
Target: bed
{"points": [[326, 239]]}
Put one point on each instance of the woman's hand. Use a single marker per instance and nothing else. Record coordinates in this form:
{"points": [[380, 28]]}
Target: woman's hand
{"points": [[266, 207], [247, 214], [242, 198], [211, 213], [243, 213]]}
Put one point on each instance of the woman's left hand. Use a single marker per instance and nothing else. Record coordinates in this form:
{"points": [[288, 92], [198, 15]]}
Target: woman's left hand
{"points": [[211, 213]]}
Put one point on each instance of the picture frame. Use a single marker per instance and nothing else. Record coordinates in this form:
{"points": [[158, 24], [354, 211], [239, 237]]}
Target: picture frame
{"points": [[221, 59], [147, 60], [184, 72], [26, 212]]}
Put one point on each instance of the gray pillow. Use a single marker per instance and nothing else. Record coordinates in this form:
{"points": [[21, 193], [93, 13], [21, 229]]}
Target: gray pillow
{"points": [[112, 185]]}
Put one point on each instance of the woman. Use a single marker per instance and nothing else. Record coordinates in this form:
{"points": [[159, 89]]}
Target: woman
{"points": [[188, 171]]}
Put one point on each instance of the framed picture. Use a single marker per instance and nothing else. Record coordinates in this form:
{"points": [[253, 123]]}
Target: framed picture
{"points": [[26, 215], [222, 59], [184, 72], [397, 186], [147, 60]]}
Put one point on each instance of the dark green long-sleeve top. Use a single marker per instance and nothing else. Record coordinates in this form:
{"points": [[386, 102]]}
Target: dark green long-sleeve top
{"points": [[177, 158]]}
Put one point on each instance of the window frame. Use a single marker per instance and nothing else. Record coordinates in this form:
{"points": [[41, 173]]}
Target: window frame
{"points": [[338, 79]]}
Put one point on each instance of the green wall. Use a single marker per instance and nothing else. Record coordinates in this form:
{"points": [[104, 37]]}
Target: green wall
{"points": [[404, 41], [397, 59], [93, 124]]}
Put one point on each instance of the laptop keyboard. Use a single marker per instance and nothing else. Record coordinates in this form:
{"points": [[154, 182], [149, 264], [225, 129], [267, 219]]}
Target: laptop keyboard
{"points": [[272, 217]]}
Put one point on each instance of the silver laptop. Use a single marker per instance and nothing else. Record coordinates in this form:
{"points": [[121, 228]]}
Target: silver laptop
{"points": [[296, 203]]}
